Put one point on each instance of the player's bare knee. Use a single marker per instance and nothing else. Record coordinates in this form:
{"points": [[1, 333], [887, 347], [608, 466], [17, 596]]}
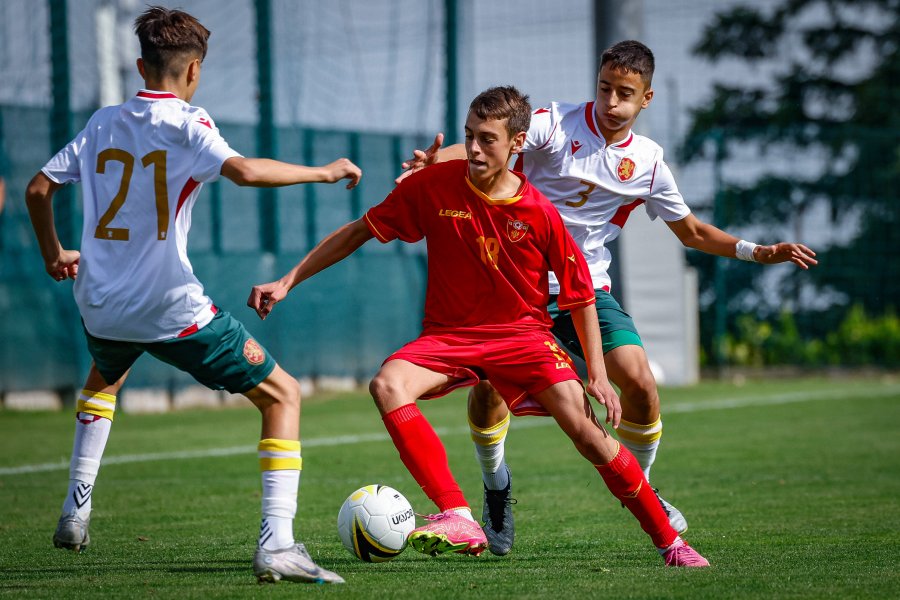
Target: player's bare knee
{"points": [[641, 391], [278, 389], [486, 405], [385, 389]]}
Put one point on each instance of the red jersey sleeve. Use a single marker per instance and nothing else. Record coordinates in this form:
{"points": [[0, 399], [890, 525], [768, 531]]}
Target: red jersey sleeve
{"points": [[397, 217], [566, 260]]}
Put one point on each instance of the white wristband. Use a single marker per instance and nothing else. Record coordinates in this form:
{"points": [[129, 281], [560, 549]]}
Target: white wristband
{"points": [[744, 250]]}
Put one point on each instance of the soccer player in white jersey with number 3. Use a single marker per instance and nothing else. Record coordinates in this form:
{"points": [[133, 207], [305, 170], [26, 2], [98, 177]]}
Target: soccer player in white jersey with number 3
{"points": [[142, 165], [595, 170]]}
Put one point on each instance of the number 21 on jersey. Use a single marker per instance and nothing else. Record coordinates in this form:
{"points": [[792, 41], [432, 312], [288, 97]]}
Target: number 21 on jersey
{"points": [[157, 158]]}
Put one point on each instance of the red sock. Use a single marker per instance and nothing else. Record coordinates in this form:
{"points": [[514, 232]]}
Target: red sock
{"points": [[626, 481], [424, 456]]}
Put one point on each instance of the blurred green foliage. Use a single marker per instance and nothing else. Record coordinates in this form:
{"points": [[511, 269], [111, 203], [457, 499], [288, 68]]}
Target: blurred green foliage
{"points": [[859, 340]]}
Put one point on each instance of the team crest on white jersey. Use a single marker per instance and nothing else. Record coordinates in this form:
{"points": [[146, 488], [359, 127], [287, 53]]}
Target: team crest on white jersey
{"points": [[625, 170], [516, 230]]}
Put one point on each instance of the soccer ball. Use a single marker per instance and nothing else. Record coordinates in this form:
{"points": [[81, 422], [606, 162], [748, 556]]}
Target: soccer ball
{"points": [[374, 522]]}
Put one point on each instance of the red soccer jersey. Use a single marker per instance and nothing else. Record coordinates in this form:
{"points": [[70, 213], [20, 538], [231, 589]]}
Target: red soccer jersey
{"points": [[487, 258]]}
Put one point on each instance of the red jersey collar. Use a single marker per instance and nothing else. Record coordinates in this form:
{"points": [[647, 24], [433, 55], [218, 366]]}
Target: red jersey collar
{"points": [[590, 117], [156, 95]]}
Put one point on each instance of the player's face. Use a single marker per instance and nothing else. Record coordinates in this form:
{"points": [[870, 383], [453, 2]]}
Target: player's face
{"points": [[621, 95], [489, 146]]}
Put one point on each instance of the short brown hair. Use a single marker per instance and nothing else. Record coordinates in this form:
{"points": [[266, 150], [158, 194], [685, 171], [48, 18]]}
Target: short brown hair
{"points": [[169, 38], [632, 56], [503, 103]]}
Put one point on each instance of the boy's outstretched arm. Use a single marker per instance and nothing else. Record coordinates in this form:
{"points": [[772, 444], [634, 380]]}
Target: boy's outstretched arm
{"points": [[434, 154], [588, 329], [265, 172], [60, 264], [694, 233], [337, 246]]}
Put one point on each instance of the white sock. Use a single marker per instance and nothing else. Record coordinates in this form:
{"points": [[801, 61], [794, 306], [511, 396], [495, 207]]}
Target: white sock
{"points": [[642, 441], [91, 434], [279, 506], [465, 512]]}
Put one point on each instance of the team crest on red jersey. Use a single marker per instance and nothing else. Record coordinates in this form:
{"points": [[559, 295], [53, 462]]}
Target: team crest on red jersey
{"points": [[625, 170], [253, 352], [516, 230]]}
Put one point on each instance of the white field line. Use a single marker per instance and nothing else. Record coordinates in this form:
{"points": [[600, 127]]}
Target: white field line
{"points": [[346, 440]]}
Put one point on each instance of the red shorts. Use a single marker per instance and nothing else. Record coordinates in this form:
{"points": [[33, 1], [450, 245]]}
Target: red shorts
{"points": [[519, 365]]}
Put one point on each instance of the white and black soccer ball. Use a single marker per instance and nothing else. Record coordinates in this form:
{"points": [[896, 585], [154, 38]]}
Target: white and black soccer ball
{"points": [[374, 523]]}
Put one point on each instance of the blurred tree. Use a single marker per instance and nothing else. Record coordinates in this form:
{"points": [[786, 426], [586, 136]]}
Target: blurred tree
{"points": [[833, 94]]}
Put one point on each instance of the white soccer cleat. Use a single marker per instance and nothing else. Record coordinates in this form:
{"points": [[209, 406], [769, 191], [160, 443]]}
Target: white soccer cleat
{"points": [[676, 519], [291, 564], [72, 532]]}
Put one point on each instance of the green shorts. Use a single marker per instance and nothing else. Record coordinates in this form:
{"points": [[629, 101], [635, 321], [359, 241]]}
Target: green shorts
{"points": [[616, 326], [222, 355]]}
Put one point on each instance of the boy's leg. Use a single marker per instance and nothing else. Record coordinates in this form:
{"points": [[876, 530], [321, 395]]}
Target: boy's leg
{"points": [[572, 410], [628, 367], [94, 414], [641, 428], [488, 425], [278, 556], [395, 389]]}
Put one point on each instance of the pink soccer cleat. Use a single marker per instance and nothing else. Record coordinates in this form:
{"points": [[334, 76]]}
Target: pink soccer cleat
{"points": [[680, 554], [448, 532]]}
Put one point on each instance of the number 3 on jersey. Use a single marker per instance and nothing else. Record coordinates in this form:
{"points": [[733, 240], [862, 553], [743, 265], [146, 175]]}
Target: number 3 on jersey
{"points": [[157, 158], [490, 250], [583, 194]]}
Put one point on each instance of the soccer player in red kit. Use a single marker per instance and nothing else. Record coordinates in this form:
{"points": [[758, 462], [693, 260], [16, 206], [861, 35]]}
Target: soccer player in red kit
{"points": [[491, 239]]}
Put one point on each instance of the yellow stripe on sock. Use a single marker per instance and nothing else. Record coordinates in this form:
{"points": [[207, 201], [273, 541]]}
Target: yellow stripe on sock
{"points": [[640, 434], [274, 445], [489, 435], [96, 403], [280, 464], [279, 455]]}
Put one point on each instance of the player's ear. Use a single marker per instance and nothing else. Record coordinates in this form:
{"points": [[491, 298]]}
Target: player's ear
{"points": [[519, 141], [140, 68], [648, 96], [193, 71]]}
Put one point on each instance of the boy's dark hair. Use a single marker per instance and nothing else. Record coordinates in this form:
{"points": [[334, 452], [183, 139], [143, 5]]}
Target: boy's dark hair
{"points": [[504, 102], [632, 56], [169, 39]]}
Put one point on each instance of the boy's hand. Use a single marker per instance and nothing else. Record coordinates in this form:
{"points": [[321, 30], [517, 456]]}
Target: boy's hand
{"points": [[65, 266], [342, 168], [421, 158], [264, 297], [798, 254], [606, 395]]}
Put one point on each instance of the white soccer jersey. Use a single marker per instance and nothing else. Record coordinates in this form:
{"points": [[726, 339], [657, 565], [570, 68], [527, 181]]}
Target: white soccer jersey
{"points": [[141, 164], [594, 186]]}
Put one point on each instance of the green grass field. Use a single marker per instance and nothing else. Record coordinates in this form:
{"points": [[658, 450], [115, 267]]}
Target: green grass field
{"points": [[790, 487]]}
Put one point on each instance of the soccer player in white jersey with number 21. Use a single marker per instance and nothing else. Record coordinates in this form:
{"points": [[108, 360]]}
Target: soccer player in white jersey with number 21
{"points": [[142, 165], [595, 170]]}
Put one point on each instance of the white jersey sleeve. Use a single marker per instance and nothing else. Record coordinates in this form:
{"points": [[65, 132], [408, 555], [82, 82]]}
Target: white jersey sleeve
{"points": [[211, 149], [544, 122], [64, 166], [664, 199]]}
